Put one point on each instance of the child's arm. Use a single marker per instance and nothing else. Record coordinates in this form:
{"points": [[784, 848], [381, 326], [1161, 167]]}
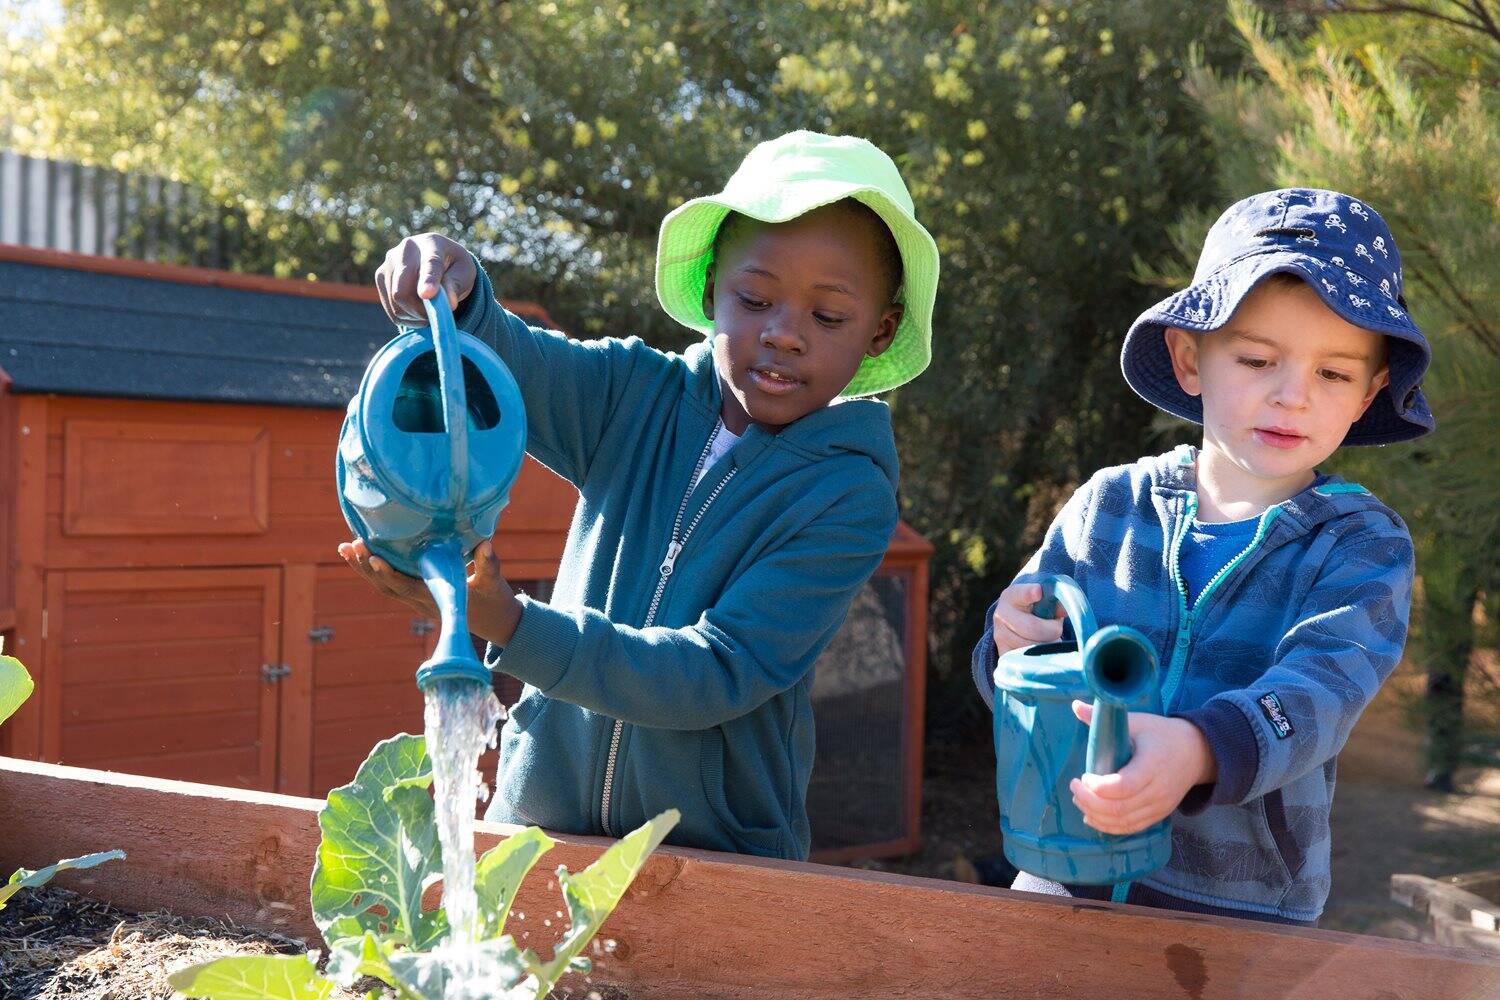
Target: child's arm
{"points": [[570, 388], [1009, 622], [1298, 715], [760, 637]]}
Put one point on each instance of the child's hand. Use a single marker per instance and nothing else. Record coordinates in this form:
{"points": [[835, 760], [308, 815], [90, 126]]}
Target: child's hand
{"points": [[493, 609], [415, 268], [1016, 626], [1169, 757]]}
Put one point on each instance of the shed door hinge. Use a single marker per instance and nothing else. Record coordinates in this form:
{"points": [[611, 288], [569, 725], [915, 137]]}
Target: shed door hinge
{"points": [[274, 672], [321, 635]]}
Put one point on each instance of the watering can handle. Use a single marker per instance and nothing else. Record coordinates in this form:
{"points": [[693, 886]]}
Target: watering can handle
{"points": [[455, 402], [1059, 588]]}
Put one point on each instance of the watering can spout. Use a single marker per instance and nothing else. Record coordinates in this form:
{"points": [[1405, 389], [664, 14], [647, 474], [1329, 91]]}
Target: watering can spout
{"points": [[453, 658], [1120, 669]]}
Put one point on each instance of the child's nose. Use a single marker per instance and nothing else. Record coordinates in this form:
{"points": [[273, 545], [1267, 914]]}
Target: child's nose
{"points": [[783, 334], [1294, 388]]}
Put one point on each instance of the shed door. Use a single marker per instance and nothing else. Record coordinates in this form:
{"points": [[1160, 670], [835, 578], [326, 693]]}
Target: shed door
{"points": [[162, 672], [365, 652]]}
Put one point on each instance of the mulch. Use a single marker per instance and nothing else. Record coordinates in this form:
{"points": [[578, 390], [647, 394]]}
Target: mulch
{"points": [[57, 944]]}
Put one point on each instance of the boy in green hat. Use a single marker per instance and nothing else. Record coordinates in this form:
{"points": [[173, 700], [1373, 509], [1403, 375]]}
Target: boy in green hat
{"points": [[733, 499]]}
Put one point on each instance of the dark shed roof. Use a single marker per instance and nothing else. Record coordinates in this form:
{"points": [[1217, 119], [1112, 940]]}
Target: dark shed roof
{"points": [[84, 326]]}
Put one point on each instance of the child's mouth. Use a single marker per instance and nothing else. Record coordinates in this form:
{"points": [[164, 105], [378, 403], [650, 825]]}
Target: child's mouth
{"points": [[773, 382], [1278, 438]]}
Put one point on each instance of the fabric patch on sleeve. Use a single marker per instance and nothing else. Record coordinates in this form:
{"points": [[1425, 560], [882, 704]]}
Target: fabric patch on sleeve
{"points": [[1270, 707]]}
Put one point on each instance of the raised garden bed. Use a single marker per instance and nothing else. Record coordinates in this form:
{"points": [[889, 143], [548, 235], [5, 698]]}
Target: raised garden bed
{"points": [[698, 924]]}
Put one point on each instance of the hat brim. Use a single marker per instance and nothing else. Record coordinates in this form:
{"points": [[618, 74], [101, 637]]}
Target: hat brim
{"points": [[1398, 414], [685, 251]]}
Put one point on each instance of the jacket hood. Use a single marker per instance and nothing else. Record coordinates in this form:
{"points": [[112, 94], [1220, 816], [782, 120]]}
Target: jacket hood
{"points": [[844, 426], [1329, 500]]}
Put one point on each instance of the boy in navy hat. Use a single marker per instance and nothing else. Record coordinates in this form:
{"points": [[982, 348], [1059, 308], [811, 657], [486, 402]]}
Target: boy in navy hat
{"points": [[1276, 596]]}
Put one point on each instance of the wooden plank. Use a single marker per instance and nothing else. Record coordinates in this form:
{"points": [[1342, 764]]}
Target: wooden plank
{"points": [[134, 477], [103, 664], [294, 752], [231, 767], [916, 700], [50, 687], [375, 702], [27, 725], [354, 737], [88, 745], [696, 923], [177, 650], [161, 700], [270, 693]]}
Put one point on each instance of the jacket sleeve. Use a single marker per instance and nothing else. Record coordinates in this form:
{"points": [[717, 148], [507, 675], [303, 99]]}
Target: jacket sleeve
{"points": [[758, 639], [1349, 636], [1062, 548], [571, 388]]}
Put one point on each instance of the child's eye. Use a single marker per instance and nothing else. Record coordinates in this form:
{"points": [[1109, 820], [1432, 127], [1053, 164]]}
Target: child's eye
{"points": [[1256, 363], [827, 319], [751, 302], [1333, 376]]}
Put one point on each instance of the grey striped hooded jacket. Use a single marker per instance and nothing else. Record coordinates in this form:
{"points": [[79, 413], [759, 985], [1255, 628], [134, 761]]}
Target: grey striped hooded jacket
{"points": [[1274, 662]]}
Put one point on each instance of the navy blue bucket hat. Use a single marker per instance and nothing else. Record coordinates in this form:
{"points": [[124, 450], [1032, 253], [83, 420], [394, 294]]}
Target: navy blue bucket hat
{"points": [[1339, 246]]}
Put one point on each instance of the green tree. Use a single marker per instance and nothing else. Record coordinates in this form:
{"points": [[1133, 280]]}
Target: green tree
{"points": [[1046, 144], [1397, 104]]}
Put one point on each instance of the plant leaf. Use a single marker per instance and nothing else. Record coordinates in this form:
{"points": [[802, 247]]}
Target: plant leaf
{"points": [[253, 977], [593, 893], [15, 686], [25, 878], [353, 957], [500, 872], [379, 851], [494, 970]]}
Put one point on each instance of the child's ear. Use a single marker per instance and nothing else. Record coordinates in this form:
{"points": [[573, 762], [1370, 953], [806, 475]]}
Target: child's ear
{"points": [[885, 330], [1183, 348], [708, 293], [1378, 383]]}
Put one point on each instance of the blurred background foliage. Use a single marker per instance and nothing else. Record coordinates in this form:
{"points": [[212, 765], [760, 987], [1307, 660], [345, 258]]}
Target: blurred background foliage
{"points": [[1068, 157]]}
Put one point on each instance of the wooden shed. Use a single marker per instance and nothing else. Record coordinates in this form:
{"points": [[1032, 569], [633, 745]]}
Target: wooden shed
{"points": [[170, 523]]}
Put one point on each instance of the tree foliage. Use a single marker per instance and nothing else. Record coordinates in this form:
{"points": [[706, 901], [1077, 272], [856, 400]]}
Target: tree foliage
{"points": [[1046, 143]]}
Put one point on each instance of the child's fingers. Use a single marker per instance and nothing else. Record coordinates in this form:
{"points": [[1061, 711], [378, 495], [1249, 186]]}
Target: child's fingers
{"points": [[382, 288], [434, 265], [1026, 626]]}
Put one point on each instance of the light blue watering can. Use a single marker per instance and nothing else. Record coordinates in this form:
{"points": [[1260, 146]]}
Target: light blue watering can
{"points": [[430, 446], [1040, 746]]}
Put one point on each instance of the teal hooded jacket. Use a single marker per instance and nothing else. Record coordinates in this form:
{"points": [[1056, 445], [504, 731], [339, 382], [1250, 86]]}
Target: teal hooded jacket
{"points": [[673, 666]]}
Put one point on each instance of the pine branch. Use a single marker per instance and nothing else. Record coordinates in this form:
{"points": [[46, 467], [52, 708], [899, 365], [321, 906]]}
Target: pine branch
{"points": [[1480, 18]]}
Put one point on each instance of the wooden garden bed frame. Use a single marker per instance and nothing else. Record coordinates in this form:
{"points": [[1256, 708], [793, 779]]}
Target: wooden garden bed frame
{"points": [[701, 924]]}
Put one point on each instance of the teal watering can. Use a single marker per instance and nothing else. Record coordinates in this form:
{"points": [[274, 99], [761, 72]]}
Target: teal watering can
{"points": [[429, 449], [1040, 746]]}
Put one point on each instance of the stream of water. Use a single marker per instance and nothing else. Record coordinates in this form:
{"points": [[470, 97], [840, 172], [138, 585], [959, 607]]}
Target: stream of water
{"points": [[460, 717]]}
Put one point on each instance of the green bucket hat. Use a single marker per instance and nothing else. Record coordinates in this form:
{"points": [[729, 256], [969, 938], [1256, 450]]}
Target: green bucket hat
{"points": [[787, 177]]}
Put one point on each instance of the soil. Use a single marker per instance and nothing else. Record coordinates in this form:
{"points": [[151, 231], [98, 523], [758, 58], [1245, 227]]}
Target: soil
{"points": [[1384, 820], [57, 944]]}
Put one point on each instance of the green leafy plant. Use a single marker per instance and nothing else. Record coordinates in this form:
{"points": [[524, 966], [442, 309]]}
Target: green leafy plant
{"points": [[15, 687], [378, 854]]}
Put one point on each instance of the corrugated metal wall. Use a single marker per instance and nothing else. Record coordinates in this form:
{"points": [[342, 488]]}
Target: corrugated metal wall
{"points": [[69, 206]]}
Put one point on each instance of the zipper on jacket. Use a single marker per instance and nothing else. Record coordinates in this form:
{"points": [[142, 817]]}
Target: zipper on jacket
{"points": [[664, 573], [1187, 616]]}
